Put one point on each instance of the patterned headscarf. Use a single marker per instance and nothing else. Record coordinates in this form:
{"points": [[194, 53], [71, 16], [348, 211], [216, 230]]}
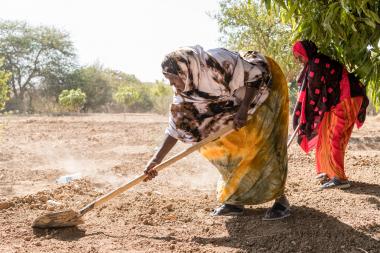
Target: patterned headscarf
{"points": [[218, 72], [215, 82]]}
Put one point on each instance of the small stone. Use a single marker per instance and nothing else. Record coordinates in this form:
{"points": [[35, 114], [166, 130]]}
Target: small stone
{"points": [[28, 238], [51, 202], [152, 211], [33, 206], [43, 198], [169, 207], [172, 247], [5, 205], [38, 244], [28, 199], [148, 222], [293, 242]]}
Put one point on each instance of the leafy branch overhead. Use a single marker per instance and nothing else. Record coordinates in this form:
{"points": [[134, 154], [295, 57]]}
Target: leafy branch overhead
{"points": [[248, 26], [347, 30]]}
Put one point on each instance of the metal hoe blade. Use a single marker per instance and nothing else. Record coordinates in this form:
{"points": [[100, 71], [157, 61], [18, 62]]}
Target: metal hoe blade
{"points": [[61, 219]]}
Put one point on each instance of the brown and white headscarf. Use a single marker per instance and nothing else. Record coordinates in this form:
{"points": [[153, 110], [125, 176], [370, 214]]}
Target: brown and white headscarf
{"points": [[215, 83]]}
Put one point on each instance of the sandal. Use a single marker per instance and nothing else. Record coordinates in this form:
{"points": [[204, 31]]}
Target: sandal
{"points": [[279, 210], [335, 183], [322, 178], [228, 210]]}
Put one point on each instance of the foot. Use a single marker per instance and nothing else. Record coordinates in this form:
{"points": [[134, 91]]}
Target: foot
{"points": [[322, 178], [279, 210], [228, 210], [335, 183]]}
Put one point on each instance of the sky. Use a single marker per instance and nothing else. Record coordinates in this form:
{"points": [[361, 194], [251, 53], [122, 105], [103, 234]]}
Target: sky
{"points": [[128, 35]]}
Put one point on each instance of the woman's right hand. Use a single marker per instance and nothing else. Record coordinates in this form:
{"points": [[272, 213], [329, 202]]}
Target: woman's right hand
{"points": [[149, 169], [166, 146]]}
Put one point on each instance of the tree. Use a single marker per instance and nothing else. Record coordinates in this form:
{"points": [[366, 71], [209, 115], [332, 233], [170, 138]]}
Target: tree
{"points": [[134, 97], [246, 25], [126, 95], [93, 81], [162, 96], [117, 78], [72, 100], [4, 89], [347, 30], [32, 53]]}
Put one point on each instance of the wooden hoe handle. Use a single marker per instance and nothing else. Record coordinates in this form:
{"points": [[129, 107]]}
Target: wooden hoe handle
{"points": [[159, 167]]}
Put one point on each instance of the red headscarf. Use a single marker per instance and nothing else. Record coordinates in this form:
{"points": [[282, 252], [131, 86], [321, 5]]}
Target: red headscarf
{"points": [[299, 50]]}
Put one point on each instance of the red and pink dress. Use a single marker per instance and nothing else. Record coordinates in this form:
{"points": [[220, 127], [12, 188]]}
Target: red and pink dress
{"points": [[330, 102]]}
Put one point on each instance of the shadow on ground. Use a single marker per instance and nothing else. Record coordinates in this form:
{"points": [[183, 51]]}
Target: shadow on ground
{"points": [[62, 234], [306, 230], [364, 188], [70, 233]]}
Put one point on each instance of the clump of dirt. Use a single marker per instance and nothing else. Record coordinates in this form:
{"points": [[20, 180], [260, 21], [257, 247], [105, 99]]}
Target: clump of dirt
{"points": [[52, 199]]}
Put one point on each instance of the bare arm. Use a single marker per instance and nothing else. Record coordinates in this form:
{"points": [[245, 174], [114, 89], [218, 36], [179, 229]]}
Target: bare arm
{"points": [[157, 158]]}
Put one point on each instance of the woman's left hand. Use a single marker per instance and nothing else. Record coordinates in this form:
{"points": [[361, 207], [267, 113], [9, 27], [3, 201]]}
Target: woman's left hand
{"points": [[241, 116]]}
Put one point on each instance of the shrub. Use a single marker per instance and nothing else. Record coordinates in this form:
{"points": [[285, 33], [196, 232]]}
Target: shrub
{"points": [[72, 100]]}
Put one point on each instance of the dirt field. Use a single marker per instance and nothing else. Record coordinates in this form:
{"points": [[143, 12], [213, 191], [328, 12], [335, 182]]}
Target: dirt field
{"points": [[170, 214]]}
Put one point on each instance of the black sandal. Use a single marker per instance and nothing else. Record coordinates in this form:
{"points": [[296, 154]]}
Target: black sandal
{"points": [[228, 210], [277, 212]]}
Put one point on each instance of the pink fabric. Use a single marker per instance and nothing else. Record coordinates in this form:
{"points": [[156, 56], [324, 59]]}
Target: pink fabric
{"points": [[302, 98], [344, 84], [307, 146], [298, 49]]}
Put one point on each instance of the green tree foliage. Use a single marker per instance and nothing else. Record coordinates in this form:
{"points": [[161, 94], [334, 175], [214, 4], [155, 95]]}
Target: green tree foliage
{"points": [[347, 30], [246, 25], [33, 53], [126, 95], [117, 78], [144, 97], [134, 97], [162, 97], [72, 100], [4, 89], [93, 81]]}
